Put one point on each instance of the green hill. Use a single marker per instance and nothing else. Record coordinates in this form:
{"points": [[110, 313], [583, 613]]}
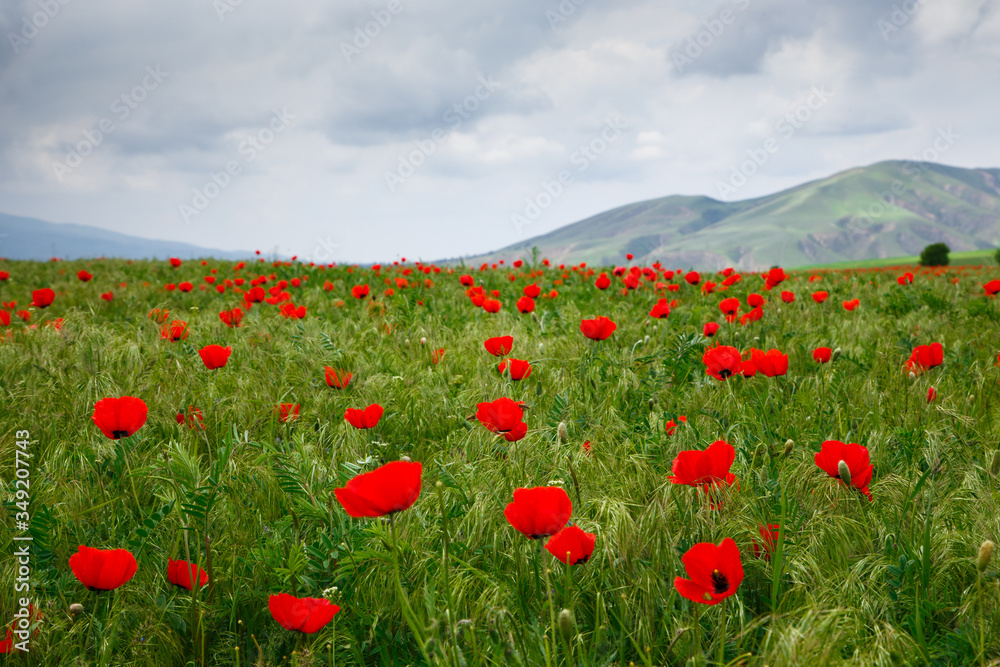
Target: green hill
{"points": [[842, 218]]}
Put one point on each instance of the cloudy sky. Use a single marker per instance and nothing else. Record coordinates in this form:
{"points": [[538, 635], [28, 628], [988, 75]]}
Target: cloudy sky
{"points": [[363, 131]]}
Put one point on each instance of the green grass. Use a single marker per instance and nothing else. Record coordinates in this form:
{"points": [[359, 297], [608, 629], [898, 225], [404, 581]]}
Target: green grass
{"points": [[964, 258], [889, 582]]}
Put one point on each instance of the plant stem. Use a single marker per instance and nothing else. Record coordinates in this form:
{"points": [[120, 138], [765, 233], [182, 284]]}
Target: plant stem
{"points": [[721, 651]]}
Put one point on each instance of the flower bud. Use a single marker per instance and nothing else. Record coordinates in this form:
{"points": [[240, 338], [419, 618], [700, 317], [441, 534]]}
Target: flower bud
{"points": [[406, 458], [845, 472], [406, 341], [985, 554], [835, 354], [652, 402], [789, 444], [423, 341], [566, 624], [645, 339], [563, 433], [76, 608]]}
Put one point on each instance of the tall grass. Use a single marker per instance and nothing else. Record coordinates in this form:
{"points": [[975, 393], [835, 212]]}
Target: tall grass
{"points": [[889, 582]]}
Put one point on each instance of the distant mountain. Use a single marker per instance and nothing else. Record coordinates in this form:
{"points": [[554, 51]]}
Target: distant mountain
{"points": [[30, 238], [887, 209]]}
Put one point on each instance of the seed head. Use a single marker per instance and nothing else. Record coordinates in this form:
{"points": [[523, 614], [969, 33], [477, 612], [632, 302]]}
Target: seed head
{"points": [[985, 554]]}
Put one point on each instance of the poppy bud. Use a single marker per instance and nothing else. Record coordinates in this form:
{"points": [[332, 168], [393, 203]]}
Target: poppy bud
{"points": [[836, 353], [541, 347], [76, 608], [652, 402], [985, 554], [789, 444], [566, 624], [845, 472], [563, 433], [406, 341], [995, 466], [423, 341], [913, 376], [645, 340], [405, 458]]}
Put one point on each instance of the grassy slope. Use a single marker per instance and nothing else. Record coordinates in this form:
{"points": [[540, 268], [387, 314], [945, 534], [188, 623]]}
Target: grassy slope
{"points": [[819, 222], [858, 576]]}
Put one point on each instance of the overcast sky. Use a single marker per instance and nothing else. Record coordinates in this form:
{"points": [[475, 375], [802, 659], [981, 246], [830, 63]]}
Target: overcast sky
{"points": [[363, 131]]}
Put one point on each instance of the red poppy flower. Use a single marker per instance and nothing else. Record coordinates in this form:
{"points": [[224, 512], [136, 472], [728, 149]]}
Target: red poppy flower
{"points": [[492, 305], [231, 318], [774, 277], [25, 315], [571, 545], [503, 416], [337, 378], [84, 276], [387, 489], [661, 310], [992, 287], [499, 345], [631, 281], [822, 354], [708, 287], [755, 301], [288, 412], [120, 417], [175, 331], [466, 280], [359, 291], [185, 286], [175, 262], [693, 278], [539, 512], [788, 297], [182, 573], [102, 569], [519, 369], [925, 357], [931, 394], [710, 329], [307, 615], [905, 279], [254, 295], [769, 540], [602, 282], [4, 318], [215, 356], [770, 363], [729, 306], [852, 304], [705, 468], [722, 362], [4, 275], [478, 300], [599, 328], [108, 296], [525, 304], [754, 315], [437, 355], [366, 418], [42, 298], [195, 418], [532, 291], [671, 425], [832, 452], [715, 572], [820, 297]]}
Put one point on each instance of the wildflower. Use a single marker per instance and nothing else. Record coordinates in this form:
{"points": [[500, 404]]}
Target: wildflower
{"points": [[102, 569], [715, 572], [390, 488], [538, 512], [120, 417]]}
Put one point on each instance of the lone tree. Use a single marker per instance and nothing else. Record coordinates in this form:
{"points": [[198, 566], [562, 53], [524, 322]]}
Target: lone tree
{"points": [[936, 254]]}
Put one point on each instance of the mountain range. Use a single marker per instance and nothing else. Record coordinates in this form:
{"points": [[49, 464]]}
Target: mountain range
{"points": [[31, 238], [887, 209]]}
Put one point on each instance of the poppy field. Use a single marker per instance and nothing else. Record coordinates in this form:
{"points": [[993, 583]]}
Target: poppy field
{"points": [[276, 463]]}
